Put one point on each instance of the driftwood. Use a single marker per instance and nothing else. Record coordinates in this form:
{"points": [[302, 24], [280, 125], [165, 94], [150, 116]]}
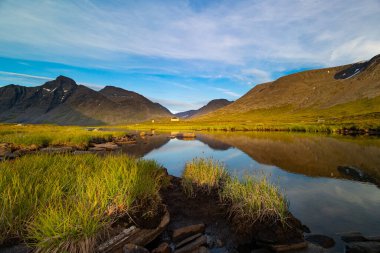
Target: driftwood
{"points": [[135, 236], [193, 245]]}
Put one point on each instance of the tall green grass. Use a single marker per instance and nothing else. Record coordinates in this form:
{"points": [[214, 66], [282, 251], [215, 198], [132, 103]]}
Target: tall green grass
{"points": [[61, 203], [203, 174], [44, 135], [249, 200], [254, 199]]}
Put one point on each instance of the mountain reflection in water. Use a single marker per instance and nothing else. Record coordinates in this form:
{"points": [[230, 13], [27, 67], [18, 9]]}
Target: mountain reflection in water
{"points": [[326, 199]]}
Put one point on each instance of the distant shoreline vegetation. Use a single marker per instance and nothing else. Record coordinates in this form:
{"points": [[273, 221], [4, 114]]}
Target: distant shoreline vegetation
{"points": [[347, 128]]}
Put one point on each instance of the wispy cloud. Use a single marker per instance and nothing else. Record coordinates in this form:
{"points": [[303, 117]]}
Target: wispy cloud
{"points": [[180, 106], [237, 42], [183, 86], [228, 92], [25, 79], [44, 78], [234, 32]]}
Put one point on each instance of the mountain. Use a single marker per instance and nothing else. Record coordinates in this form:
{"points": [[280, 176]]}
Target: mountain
{"points": [[213, 105], [349, 92], [133, 102], [63, 101]]}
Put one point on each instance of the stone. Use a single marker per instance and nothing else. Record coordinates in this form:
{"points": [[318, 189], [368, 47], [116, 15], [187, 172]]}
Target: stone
{"points": [[373, 238], [96, 149], [187, 240], [82, 152], [312, 248], [109, 146], [353, 237], [56, 150], [203, 250], [132, 248], [219, 243], [126, 139], [363, 247], [261, 250], [10, 156], [321, 240], [184, 232], [288, 247], [5, 149], [193, 245], [306, 229], [162, 248], [21, 248], [356, 174]]}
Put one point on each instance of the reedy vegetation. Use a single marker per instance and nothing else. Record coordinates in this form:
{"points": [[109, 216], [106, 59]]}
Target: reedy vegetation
{"points": [[45, 135], [204, 174], [249, 200], [62, 203]]}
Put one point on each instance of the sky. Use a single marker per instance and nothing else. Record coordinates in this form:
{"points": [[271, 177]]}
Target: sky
{"points": [[181, 53]]}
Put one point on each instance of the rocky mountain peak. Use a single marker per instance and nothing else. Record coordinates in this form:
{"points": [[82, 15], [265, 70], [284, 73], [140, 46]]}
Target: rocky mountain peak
{"points": [[61, 82]]}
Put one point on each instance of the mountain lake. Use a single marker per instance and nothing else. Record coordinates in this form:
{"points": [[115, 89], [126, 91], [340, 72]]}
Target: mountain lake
{"points": [[331, 181]]}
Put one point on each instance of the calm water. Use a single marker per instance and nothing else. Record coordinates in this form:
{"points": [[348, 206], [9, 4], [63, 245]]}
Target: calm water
{"points": [[327, 200]]}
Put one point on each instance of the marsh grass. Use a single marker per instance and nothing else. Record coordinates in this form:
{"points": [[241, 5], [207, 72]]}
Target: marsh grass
{"points": [[61, 203], [249, 200], [203, 174], [254, 199], [45, 135]]}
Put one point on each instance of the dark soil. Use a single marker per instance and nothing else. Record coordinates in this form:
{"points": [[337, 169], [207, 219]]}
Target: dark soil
{"points": [[207, 209]]}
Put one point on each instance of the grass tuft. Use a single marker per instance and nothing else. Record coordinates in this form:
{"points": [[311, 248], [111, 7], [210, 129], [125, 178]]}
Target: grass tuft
{"points": [[250, 200], [254, 199], [61, 203], [203, 174]]}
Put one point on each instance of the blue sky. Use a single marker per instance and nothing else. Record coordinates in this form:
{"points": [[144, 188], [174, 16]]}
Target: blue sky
{"points": [[181, 53]]}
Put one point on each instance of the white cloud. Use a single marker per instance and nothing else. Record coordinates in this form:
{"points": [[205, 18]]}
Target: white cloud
{"points": [[25, 79], [180, 105], [233, 32], [228, 92], [260, 76], [25, 75]]}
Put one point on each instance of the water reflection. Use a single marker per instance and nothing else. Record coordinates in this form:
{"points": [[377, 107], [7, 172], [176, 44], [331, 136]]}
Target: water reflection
{"points": [[145, 144], [305, 167], [311, 155]]}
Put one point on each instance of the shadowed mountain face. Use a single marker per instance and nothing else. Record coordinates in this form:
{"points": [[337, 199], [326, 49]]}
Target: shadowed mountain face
{"points": [[134, 103], [213, 105], [62, 101], [312, 92]]}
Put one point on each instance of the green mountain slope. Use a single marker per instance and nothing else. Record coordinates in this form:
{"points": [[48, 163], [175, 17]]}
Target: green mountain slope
{"points": [[344, 94]]}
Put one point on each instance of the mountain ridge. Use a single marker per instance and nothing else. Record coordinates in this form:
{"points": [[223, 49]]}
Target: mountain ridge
{"points": [[211, 106], [309, 93], [63, 101]]}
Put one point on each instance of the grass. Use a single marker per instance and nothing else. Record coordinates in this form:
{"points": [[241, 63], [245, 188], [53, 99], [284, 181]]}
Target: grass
{"points": [[45, 135], [359, 115], [254, 199], [203, 174], [62, 203], [250, 200]]}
